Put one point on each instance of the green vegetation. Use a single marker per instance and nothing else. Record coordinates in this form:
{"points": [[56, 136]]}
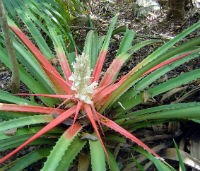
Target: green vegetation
{"points": [[71, 108]]}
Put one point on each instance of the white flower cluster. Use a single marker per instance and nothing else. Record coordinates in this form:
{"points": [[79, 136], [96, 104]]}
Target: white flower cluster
{"points": [[81, 79]]}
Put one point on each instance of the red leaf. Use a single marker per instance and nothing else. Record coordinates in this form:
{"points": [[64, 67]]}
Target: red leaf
{"points": [[59, 82], [104, 94], [78, 108], [89, 112], [109, 123], [111, 72], [98, 67], [96, 118], [56, 79], [45, 129], [98, 90], [60, 96], [64, 64], [167, 63], [72, 130], [65, 101], [26, 108]]}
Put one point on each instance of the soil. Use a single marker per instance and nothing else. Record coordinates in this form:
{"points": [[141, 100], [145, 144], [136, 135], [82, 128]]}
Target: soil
{"points": [[152, 26]]}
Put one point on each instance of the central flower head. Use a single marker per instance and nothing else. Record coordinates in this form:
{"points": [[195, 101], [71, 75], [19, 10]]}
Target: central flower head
{"points": [[81, 79]]}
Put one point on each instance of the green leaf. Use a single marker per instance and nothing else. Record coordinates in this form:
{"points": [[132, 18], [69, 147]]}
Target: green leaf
{"points": [[161, 88], [138, 165], [97, 156], [156, 109], [196, 120], [28, 79], [91, 47], [115, 138], [70, 154], [28, 131], [119, 29], [29, 159], [61, 146], [102, 55], [161, 114], [61, 53], [175, 82], [126, 42], [100, 43], [23, 121], [25, 17], [169, 44], [142, 44], [144, 83], [29, 61], [7, 97], [113, 70], [15, 141], [182, 166], [149, 62], [112, 162], [12, 142], [109, 33], [12, 115], [159, 164], [56, 14]]}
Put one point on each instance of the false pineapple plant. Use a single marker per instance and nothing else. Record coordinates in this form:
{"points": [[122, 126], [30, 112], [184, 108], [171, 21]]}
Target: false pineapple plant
{"points": [[79, 96]]}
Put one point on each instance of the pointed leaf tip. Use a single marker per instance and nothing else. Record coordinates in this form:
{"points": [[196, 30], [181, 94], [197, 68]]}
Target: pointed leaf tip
{"points": [[92, 119], [109, 123], [45, 129]]}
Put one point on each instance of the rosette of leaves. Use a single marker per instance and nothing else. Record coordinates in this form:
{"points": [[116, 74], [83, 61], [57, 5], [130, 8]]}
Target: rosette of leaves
{"points": [[35, 16], [76, 104]]}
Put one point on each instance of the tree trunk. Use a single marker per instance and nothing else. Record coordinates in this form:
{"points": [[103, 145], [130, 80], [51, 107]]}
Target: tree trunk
{"points": [[176, 9], [15, 80]]}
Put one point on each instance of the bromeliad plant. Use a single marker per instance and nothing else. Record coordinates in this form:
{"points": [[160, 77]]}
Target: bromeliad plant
{"points": [[79, 97]]}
